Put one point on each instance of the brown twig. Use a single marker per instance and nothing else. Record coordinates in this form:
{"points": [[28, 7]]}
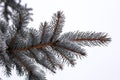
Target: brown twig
{"points": [[102, 39], [32, 47]]}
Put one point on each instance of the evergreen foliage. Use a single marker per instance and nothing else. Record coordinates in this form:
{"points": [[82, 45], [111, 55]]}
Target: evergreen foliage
{"points": [[24, 48]]}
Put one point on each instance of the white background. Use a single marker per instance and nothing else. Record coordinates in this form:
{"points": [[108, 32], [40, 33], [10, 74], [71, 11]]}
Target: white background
{"points": [[102, 63]]}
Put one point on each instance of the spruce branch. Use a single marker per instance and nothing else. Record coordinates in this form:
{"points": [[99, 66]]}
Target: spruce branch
{"points": [[19, 67], [15, 6], [57, 23], [30, 66], [54, 61], [25, 48], [40, 59], [65, 55], [46, 33], [87, 38]]}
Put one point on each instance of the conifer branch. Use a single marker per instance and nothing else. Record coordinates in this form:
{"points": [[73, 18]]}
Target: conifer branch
{"points": [[57, 22], [26, 47], [65, 56], [53, 60], [87, 38], [21, 61], [48, 58], [40, 61], [43, 31], [19, 67], [30, 66], [71, 47]]}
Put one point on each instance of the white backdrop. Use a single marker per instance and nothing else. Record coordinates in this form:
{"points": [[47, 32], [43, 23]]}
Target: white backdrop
{"points": [[102, 63]]}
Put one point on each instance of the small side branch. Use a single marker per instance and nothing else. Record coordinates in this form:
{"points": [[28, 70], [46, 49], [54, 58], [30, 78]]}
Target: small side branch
{"points": [[57, 25]]}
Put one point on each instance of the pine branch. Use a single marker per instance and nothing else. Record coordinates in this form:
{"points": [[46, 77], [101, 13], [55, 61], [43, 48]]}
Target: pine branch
{"points": [[6, 63], [57, 23], [26, 47], [35, 36], [65, 56], [46, 33], [21, 19], [48, 51], [70, 46], [30, 66], [87, 38], [39, 60], [14, 6], [19, 68]]}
